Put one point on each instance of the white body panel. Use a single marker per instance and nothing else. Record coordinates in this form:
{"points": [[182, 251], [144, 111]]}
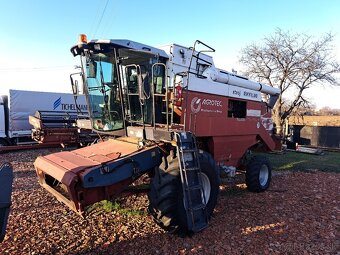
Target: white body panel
{"points": [[132, 45], [22, 104], [217, 81], [222, 89], [179, 58]]}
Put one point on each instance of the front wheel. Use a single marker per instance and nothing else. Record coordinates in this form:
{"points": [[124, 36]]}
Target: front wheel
{"points": [[166, 193], [258, 174]]}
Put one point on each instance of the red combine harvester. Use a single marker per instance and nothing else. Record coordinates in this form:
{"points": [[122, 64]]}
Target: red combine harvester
{"points": [[172, 115]]}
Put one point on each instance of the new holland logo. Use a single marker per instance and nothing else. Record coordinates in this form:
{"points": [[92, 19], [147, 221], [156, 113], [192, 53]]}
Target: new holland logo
{"points": [[57, 103]]}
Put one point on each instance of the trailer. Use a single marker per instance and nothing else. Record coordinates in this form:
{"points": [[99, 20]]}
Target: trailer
{"points": [[16, 108], [171, 115]]}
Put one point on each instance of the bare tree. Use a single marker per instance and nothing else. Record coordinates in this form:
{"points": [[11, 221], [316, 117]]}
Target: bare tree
{"points": [[293, 63], [327, 111]]}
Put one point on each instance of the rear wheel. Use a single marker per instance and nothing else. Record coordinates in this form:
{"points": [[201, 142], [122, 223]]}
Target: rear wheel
{"points": [[166, 193], [3, 142], [258, 174]]}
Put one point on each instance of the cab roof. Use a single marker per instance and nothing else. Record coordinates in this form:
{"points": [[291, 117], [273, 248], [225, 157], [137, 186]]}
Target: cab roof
{"points": [[120, 43]]}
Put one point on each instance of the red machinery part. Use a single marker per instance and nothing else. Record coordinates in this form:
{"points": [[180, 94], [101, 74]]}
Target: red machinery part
{"points": [[82, 177]]}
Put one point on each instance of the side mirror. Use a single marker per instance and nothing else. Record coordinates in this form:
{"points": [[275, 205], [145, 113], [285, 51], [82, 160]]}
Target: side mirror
{"points": [[74, 84], [75, 88], [272, 101], [92, 71]]}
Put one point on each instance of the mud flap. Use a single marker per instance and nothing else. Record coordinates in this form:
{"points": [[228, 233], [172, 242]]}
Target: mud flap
{"points": [[6, 180]]}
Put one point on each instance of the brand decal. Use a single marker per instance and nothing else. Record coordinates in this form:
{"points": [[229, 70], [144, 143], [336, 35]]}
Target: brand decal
{"points": [[205, 105], [237, 92], [243, 93], [212, 102], [250, 94], [56, 103], [196, 105], [267, 123], [67, 107]]}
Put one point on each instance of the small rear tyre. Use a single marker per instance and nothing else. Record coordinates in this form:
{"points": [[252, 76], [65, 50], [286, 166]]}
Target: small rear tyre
{"points": [[258, 174], [166, 194], [3, 142]]}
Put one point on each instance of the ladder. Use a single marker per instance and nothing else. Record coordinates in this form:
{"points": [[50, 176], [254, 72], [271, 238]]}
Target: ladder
{"points": [[196, 55], [190, 171]]}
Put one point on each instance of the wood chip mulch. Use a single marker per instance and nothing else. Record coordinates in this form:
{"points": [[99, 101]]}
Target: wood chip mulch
{"points": [[299, 214]]}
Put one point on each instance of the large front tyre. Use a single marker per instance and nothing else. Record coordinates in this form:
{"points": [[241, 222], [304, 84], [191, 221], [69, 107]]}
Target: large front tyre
{"points": [[166, 193], [258, 174]]}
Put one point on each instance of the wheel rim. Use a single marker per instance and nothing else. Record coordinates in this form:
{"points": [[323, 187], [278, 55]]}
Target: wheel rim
{"points": [[206, 187], [264, 175]]}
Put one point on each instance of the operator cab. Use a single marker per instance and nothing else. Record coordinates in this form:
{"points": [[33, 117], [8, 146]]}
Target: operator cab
{"points": [[126, 85]]}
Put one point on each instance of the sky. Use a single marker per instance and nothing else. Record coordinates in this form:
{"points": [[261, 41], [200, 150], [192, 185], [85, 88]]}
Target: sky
{"points": [[36, 35]]}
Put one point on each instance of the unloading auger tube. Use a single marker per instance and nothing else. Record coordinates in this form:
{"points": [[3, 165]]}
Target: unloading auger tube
{"points": [[222, 76]]}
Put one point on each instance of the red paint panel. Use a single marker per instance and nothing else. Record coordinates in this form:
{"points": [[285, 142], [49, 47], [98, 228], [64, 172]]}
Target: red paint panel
{"points": [[229, 149], [207, 116], [64, 166], [70, 161], [86, 157], [107, 148], [42, 165], [100, 158]]}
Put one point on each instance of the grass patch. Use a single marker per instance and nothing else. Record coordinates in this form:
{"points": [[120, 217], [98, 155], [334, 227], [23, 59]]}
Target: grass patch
{"points": [[238, 190], [111, 206], [329, 162]]}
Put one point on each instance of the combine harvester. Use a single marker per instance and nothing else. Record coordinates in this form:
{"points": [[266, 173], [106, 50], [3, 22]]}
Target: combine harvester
{"points": [[172, 115]]}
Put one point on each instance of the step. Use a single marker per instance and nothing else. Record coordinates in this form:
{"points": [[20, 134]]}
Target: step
{"points": [[199, 227], [198, 207], [27, 143], [188, 150], [194, 187], [191, 169]]}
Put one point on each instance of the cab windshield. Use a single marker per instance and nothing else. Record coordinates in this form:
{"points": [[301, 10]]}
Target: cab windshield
{"points": [[103, 92]]}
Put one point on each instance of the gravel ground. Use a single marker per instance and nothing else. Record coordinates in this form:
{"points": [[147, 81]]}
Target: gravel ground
{"points": [[299, 214]]}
